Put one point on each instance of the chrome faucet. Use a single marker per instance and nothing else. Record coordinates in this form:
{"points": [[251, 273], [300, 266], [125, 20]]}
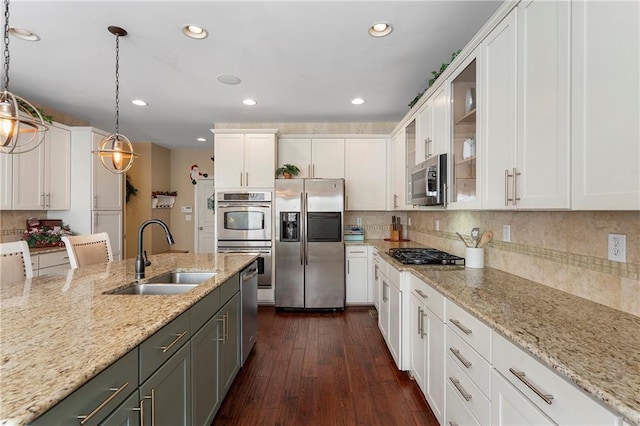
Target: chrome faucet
{"points": [[140, 261]]}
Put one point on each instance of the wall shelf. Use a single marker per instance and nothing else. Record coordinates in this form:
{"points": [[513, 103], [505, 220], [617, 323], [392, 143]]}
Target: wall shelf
{"points": [[163, 202]]}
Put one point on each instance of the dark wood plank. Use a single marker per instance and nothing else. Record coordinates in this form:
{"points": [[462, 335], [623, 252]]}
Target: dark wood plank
{"points": [[322, 368]]}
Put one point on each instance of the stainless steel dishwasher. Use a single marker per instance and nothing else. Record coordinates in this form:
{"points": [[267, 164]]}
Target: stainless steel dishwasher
{"points": [[249, 298]]}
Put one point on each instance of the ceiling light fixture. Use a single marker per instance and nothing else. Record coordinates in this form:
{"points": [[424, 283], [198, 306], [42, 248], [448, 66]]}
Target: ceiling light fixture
{"points": [[195, 31], [201, 139], [139, 102], [22, 127], [24, 34], [380, 29], [116, 152], [249, 102], [357, 101]]}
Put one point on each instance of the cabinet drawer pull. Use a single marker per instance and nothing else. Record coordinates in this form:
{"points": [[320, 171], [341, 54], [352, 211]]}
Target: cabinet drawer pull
{"points": [[356, 251], [506, 187], [116, 392], [452, 423], [466, 395], [424, 296], [548, 398], [420, 322], [456, 352], [457, 323], [515, 186], [170, 345]]}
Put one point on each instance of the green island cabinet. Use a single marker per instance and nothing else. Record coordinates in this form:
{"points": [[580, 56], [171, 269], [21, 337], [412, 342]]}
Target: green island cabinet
{"points": [[177, 376]]}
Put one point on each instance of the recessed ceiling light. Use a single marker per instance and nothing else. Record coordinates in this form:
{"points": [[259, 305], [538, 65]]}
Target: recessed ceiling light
{"points": [[139, 102], [201, 139], [249, 102], [228, 79], [195, 31], [357, 101], [24, 34], [380, 29]]}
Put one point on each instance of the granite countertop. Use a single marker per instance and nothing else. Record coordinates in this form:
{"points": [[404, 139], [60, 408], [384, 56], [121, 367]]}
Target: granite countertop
{"points": [[58, 331], [594, 346]]}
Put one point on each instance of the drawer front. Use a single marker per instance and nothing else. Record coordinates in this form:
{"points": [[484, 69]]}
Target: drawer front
{"points": [[473, 331], [556, 397], [98, 397], [356, 251], [205, 309], [393, 274], [429, 296], [158, 348], [475, 400], [52, 269], [53, 259], [470, 362], [457, 414], [229, 288]]}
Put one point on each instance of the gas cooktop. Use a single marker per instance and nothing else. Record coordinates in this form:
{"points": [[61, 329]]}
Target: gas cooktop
{"points": [[424, 256]]}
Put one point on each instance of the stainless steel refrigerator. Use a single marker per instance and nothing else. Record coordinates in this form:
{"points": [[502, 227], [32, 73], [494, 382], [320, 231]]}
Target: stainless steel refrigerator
{"points": [[309, 250]]}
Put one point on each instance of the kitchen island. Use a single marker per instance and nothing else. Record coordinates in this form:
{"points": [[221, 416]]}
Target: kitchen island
{"points": [[595, 347], [60, 330]]}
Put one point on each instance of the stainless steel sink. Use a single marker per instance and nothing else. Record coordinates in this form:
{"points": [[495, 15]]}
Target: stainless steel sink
{"points": [[167, 284], [181, 278], [158, 288]]}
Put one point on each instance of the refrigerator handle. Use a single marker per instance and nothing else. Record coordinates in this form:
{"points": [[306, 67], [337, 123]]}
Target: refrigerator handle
{"points": [[306, 237], [301, 233]]}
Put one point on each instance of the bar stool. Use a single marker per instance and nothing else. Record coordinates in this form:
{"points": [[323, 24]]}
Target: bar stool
{"points": [[84, 250], [15, 262]]}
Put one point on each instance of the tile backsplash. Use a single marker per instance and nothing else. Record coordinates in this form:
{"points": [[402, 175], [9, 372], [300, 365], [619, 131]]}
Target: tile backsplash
{"points": [[564, 250], [14, 222]]}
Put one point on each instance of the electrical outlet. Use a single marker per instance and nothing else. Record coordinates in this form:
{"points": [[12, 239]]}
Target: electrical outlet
{"points": [[359, 221], [506, 233], [436, 225], [618, 247]]}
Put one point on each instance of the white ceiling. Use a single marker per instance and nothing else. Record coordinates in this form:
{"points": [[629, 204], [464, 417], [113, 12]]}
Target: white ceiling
{"points": [[303, 61]]}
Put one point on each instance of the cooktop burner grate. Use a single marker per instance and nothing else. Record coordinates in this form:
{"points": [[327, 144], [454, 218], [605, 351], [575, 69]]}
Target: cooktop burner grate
{"points": [[424, 256]]}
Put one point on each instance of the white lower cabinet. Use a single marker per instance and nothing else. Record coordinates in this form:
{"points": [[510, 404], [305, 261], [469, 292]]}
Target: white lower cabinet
{"points": [[358, 290], [558, 399], [472, 397], [427, 331], [375, 276], [48, 263], [390, 312], [510, 407]]}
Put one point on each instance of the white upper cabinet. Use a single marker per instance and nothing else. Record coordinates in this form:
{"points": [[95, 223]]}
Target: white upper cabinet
{"points": [[244, 160], [605, 89], [399, 172], [433, 126], [525, 109], [317, 158], [366, 174], [106, 187], [464, 156], [42, 177]]}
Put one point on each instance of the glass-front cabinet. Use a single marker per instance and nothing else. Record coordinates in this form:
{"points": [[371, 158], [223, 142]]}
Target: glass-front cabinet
{"points": [[464, 185]]}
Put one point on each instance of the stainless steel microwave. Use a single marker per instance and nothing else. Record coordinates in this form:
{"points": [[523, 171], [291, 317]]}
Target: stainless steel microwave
{"points": [[429, 182]]}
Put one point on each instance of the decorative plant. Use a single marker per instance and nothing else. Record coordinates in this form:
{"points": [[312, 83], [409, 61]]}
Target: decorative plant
{"points": [[287, 171], [131, 190], [45, 236], [435, 74], [27, 108]]}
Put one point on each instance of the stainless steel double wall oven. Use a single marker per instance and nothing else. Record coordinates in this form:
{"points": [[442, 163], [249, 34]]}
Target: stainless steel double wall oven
{"points": [[244, 226]]}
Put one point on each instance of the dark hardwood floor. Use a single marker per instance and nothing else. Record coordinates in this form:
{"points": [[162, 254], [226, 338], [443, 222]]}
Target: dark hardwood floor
{"points": [[315, 368]]}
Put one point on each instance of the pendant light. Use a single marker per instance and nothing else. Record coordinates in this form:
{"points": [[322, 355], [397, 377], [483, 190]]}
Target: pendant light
{"points": [[22, 127], [116, 152]]}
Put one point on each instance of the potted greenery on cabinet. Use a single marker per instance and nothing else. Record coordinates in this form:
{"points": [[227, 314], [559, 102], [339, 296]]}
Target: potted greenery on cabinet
{"points": [[287, 171]]}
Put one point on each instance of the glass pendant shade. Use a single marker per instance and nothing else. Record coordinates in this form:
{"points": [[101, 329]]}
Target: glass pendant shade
{"points": [[116, 153], [22, 128]]}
